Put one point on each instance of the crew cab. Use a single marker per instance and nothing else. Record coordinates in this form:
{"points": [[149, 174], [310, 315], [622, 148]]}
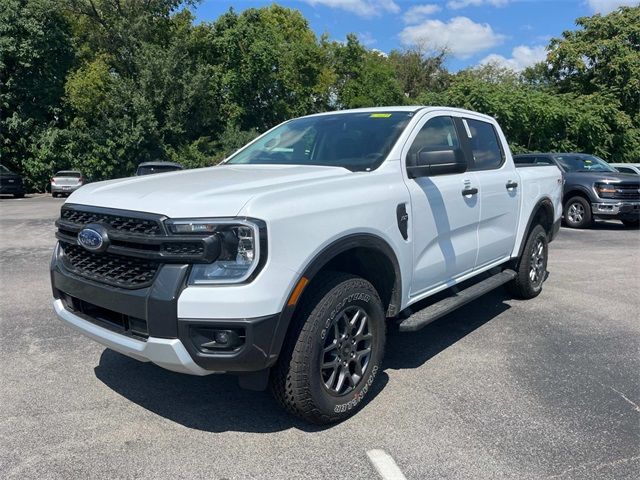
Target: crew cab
{"points": [[285, 263], [592, 188]]}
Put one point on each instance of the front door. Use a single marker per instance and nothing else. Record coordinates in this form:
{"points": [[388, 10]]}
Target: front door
{"points": [[444, 220]]}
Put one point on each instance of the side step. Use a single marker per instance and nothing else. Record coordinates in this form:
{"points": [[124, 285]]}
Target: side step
{"points": [[424, 317]]}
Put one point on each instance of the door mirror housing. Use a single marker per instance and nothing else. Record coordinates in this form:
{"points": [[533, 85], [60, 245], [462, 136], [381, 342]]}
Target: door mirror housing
{"points": [[427, 163]]}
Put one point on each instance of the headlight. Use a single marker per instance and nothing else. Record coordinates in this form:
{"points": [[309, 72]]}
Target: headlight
{"points": [[605, 190], [239, 249]]}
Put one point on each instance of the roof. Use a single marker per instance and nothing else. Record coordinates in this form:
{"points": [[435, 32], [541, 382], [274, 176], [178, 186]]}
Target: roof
{"points": [[400, 108]]}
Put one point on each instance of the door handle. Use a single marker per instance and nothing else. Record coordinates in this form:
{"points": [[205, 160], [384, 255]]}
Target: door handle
{"points": [[511, 185], [469, 191]]}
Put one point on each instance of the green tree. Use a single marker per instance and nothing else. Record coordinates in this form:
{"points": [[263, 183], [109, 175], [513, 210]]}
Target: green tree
{"points": [[362, 78], [271, 64], [602, 56], [417, 72], [35, 55], [540, 120]]}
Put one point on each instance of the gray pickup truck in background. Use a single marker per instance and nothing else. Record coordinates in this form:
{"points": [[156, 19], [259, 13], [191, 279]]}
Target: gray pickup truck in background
{"points": [[592, 188]]}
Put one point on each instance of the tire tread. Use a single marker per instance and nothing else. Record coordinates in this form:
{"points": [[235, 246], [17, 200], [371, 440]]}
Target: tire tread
{"points": [[289, 380]]}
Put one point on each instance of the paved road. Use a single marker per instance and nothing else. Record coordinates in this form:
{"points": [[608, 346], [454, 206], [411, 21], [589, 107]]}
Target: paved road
{"points": [[547, 388]]}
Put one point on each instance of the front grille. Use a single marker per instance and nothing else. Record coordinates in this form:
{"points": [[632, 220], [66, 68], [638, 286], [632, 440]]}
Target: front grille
{"points": [[183, 248], [118, 270], [626, 191], [116, 321], [137, 245], [121, 223]]}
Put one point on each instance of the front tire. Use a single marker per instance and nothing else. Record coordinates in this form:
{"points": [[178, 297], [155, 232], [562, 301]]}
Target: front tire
{"points": [[333, 352], [577, 213], [532, 268]]}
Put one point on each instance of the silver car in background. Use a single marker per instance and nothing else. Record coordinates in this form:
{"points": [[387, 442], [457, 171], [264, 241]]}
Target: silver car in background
{"points": [[66, 182], [633, 168]]}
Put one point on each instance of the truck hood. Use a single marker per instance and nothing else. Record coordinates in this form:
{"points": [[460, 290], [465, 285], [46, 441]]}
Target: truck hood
{"points": [[592, 177], [219, 191]]}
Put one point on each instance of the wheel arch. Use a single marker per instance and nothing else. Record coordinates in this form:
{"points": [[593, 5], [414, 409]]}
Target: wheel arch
{"points": [[364, 254], [543, 214], [577, 191]]}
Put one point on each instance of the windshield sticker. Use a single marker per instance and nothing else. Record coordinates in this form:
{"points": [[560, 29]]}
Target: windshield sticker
{"points": [[380, 115]]}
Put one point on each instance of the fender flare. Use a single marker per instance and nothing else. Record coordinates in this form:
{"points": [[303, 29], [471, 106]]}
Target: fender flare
{"points": [[545, 203], [320, 260], [573, 189]]}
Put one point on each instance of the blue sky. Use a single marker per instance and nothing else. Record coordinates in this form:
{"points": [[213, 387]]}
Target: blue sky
{"points": [[510, 32]]}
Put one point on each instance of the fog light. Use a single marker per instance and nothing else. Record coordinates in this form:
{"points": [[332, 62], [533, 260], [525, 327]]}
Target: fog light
{"points": [[222, 337], [213, 339]]}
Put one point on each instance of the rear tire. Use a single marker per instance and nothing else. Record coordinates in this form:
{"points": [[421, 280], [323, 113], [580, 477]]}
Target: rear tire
{"points": [[532, 268], [18, 195], [577, 213], [333, 351]]}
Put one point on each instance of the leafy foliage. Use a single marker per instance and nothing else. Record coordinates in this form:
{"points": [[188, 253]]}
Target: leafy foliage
{"points": [[102, 85]]}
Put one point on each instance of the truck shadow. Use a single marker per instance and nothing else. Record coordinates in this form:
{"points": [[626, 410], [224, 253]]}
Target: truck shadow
{"points": [[411, 350], [216, 403]]}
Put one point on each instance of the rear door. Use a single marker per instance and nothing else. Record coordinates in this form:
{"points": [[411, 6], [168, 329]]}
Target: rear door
{"points": [[499, 191], [444, 221]]}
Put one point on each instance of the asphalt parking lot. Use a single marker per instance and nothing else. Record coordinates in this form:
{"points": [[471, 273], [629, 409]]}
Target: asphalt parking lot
{"points": [[546, 388]]}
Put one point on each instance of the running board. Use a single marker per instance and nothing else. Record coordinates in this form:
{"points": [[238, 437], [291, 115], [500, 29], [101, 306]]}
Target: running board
{"points": [[424, 317]]}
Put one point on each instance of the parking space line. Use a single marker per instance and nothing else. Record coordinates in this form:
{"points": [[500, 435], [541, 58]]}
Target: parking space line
{"points": [[385, 465]]}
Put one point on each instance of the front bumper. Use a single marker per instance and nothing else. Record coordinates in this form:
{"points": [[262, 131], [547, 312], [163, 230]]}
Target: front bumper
{"points": [[165, 352], [168, 341], [619, 209]]}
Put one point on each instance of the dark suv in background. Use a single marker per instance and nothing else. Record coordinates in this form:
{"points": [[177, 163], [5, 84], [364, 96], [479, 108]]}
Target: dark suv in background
{"points": [[592, 188], [11, 183]]}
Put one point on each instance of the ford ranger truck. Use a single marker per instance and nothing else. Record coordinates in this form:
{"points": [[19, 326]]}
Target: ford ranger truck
{"points": [[285, 263]]}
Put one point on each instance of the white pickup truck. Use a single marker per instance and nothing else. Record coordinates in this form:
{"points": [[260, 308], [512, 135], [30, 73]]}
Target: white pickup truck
{"points": [[285, 263]]}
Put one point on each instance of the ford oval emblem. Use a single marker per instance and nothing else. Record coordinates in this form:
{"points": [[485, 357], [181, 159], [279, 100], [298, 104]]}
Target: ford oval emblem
{"points": [[92, 239]]}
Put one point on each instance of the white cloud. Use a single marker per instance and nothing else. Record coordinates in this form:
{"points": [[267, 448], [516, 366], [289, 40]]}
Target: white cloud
{"points": [[366, 38], [521, 57], [363, 8], [606, 6], [458, 4], [418, 13], [461, 36]]}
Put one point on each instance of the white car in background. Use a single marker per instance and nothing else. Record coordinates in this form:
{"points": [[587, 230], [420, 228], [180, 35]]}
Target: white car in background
{"points": [[633, 168], [66, 182]]}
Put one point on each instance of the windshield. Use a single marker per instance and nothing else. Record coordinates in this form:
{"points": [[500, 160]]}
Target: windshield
{"points": [[583, 163], [356, 141], [65, 173], [5, 171]]}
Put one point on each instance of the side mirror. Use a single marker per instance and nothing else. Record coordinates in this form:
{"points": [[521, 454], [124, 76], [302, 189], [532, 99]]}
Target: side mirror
{"points": [[427, 163]]}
